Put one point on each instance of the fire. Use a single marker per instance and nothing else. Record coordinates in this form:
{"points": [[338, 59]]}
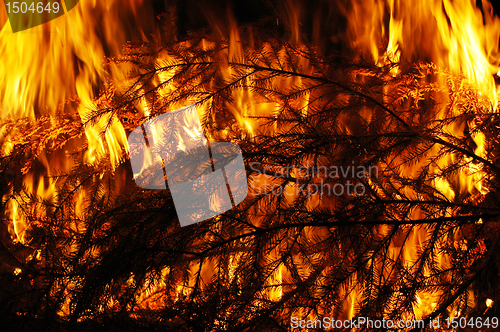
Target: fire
{"points": [[464, 41], [455, 35], [76, 68], [54, 69]]}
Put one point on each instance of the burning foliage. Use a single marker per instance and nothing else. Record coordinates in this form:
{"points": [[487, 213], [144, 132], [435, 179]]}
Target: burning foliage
{"points": [[84, 247]]}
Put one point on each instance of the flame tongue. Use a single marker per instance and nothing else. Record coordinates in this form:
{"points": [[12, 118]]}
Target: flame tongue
{"points": [[53, 71], [455, 35]]}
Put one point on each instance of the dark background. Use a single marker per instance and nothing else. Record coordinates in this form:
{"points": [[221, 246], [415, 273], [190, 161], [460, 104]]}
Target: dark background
{"points": [[270, 15]]}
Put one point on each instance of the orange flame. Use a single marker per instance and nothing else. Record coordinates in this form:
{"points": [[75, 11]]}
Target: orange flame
{"points": [[40, 78]]}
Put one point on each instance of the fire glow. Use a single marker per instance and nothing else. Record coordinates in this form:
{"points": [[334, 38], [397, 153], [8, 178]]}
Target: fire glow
{"points": [[407, 91]]}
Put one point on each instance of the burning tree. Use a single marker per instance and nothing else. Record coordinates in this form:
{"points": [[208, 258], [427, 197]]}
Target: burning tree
{"points": [[372, 190]]}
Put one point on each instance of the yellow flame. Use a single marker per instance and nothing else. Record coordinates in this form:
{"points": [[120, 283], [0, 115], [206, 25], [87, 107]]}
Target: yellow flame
{"points": [[452, 34], [39, 76]]}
